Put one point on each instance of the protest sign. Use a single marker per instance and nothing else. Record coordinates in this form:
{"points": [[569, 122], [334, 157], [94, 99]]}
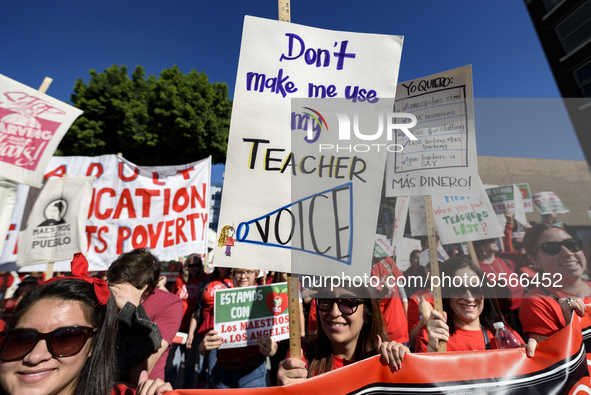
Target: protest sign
{"points": [[400, 215], [382, 247], [465, 218], [7, 200], [56, 222], [528, 203], [244, 315], [507, 198], [32, 125], [165, 208], [558, 367], [442, 160], [416, 213], [288, 197], [403, 249], [548, 203]]}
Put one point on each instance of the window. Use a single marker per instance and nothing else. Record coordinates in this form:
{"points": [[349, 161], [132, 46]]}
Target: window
{"points": [[575, 29], [583, 77]]}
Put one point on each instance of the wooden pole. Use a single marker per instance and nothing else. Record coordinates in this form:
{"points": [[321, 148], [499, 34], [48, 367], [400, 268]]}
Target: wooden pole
{"points": [[473, 253], [434, 263]]}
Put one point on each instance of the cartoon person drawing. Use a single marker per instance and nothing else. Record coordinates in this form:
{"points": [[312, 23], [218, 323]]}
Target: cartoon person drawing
{"points": [[54, 213], [226, 239]]}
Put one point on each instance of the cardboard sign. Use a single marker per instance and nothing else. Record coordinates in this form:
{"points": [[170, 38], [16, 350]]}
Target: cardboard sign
{"points": [[164, 208], [32, 125], [528, 203], [465, 218], [294, 192], [244, 315], [400, 215], [548, 203], [416, 213], [403, 251], [507, 198], [56, 224], [442, 161]]}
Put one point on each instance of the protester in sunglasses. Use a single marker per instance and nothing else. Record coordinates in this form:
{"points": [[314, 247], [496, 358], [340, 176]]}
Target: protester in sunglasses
{"points": [[469, 312], [560, 262], [62, 340], [351, 329]]}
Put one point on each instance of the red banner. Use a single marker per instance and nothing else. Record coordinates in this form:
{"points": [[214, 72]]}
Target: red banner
{"points": [[559, 367]]}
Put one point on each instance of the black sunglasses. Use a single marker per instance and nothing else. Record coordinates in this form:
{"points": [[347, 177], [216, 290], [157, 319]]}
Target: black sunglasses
{"points": [[62, 342], [194, 265], [346, 306], [553, 248], [460, 292]]}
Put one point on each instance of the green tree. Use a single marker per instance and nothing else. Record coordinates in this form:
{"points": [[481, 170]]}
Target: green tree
{"points": [[174, 119]]}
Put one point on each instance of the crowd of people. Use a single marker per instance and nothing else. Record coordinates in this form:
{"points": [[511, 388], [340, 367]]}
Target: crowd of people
{"points": [[122, 333]]}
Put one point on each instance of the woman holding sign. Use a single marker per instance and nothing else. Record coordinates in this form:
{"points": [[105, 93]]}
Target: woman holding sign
{"points": [[351, 329], [469, 313], [561, 291], [242, 367]]}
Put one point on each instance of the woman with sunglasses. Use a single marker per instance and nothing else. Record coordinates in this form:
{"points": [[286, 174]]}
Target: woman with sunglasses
{"points": [[469, 313], [561, 263], [243, 367], [62, 340], [351, 329]]}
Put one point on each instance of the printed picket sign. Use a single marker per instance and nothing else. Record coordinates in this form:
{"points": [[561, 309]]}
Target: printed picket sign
{"points": [[56, 223], [528, 203], [382, 247], [548, 203], [558, 367], [165, 208], [508, 198], [442, 159], [292, 197], [465, 218], [244, 315], [32, 124]]}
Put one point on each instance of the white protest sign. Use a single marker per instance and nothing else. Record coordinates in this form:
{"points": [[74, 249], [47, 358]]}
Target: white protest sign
{"points": [[507, 198], [292, 197], [403, 250], [548, 203], [528, 203], [244, 315], [383, 247], [465, 218], [418, 218], [164, 208], [56, 225], [442, 161], [400, 215], [32, 125]]}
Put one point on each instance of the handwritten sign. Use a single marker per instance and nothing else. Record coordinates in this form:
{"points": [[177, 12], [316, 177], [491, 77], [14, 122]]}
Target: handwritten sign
{"points": [[507, 198], [400, 215], [416, 213], [403, 250], [32, 125], [528, 203], [548, 203], [465, 218], [298, 182], [442, 161], [244, 315]]}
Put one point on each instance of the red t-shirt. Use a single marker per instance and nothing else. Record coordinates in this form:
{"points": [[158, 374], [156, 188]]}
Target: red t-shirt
{"points": [[391, 306], [414, 315], [312, 316], [166, 310], [122, 389], [461, 340], [509, 297], [188, 294], [208, 302], [541, 314], [337, 362]]}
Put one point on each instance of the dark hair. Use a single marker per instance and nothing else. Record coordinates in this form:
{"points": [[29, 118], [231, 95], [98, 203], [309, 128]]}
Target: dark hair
{"points": [[415, 252], [98, 375], [138, 268], [321, 353], [533, 235], [491, 311]]}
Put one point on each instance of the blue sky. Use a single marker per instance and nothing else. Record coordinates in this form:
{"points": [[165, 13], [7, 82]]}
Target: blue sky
{"points": [[65, 39]]}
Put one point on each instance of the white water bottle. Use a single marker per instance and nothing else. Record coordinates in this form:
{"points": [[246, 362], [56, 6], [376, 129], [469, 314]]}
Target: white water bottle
{"points": [[505, 338]]}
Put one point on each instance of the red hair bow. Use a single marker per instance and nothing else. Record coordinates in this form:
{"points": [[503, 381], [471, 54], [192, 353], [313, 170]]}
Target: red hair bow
{"points": [[79, 266]]}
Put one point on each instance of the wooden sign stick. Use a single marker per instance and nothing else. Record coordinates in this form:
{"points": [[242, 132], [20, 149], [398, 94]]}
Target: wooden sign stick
{"points": [[437, 296], [295, 341], [473, 253]]}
